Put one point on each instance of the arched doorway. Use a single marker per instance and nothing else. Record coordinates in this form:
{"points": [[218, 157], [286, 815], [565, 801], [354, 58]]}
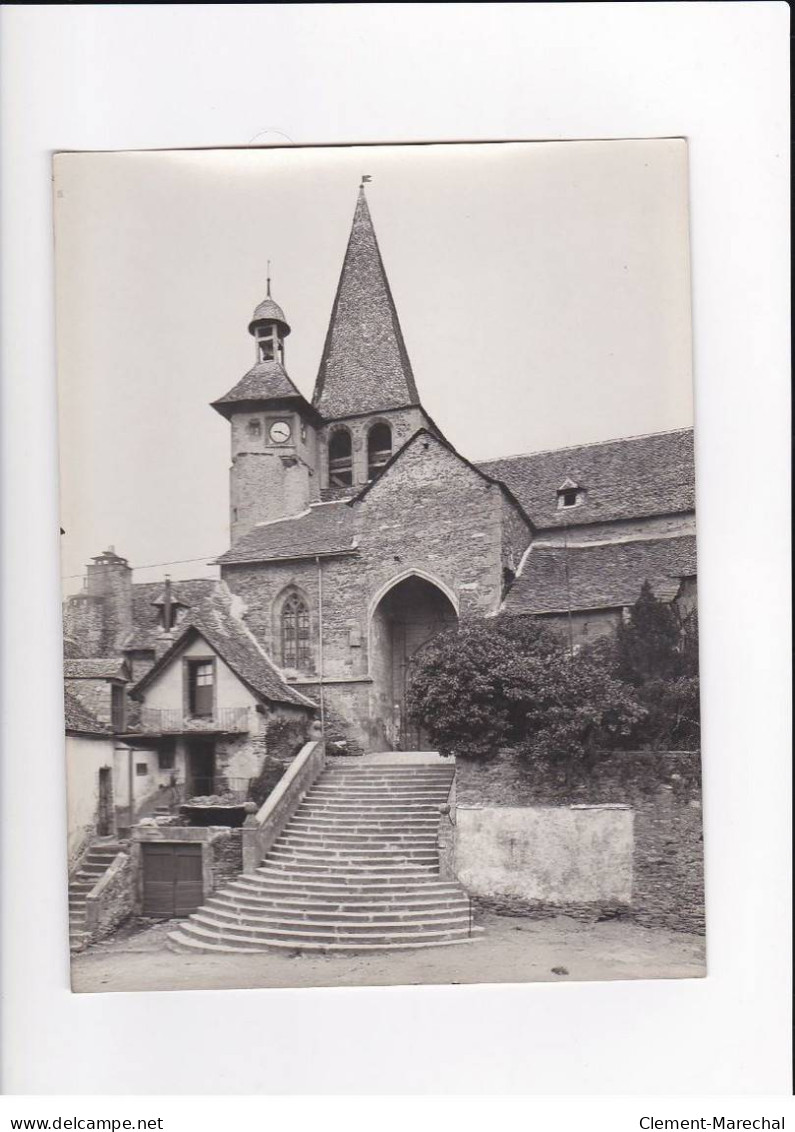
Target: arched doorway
{"points": [[408, 615]]}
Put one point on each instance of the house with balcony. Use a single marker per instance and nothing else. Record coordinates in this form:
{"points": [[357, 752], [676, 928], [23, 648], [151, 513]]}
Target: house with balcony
{"points": [[213, 706], [191, 700]]}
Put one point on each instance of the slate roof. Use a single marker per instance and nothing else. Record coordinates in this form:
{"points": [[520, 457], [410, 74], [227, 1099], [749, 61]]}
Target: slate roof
{"points": [[364, 367], [269, 311], [266, 381], [146, 615], [223, 629], [622, 479], [602, 576], [324, 529], [94, 668], [79, 719]]}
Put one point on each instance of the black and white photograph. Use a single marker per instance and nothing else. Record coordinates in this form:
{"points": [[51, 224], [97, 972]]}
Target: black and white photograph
{"points": [[379, 551]]}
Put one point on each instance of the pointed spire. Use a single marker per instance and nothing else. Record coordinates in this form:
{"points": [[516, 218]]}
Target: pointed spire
{"points": [[364, 367]]}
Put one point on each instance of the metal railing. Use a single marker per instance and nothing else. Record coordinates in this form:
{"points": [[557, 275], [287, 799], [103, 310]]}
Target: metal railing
{"points": [[165, 721]]}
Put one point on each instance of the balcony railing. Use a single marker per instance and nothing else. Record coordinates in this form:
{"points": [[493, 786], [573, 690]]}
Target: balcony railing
{"points": [[171, 721]]}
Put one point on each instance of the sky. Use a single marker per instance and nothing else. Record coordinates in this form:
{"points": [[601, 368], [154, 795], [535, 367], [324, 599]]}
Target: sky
{"points": [[543, 290]]}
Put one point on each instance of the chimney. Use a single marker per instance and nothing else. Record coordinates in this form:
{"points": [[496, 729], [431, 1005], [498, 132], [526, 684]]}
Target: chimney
{"points": [[109, 577]]}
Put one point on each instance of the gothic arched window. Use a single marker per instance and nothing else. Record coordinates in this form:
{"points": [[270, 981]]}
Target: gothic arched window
{"points": [[379, 449], [340, 458], [296, 651]]}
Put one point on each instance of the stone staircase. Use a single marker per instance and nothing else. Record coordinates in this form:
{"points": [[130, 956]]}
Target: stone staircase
{"points": [[94, 863], [356, 869]]}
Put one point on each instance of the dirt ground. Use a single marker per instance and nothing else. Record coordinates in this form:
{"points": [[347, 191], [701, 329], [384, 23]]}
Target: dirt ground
{"points": [[511, 950]]}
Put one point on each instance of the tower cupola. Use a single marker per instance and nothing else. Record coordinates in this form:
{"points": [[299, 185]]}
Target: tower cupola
{"points": [[269, 328]]}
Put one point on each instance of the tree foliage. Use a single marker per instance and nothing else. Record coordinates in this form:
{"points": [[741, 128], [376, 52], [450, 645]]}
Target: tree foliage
{"points": [[511, 682]]}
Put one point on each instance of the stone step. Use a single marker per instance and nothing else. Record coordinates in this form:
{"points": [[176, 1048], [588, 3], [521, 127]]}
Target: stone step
{"points": [[328, 856], [396, 841], [264, 928], [312, 870], [279, 884], [248, 937], [415, 824], [334, 913], [340, 789], [299, 900], [178, 941], [350, 809], [401, 773]]}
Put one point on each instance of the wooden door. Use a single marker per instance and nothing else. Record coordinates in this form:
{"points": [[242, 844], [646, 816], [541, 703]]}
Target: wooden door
{"points": [[200, 777], [172, 878], [105, 802]]}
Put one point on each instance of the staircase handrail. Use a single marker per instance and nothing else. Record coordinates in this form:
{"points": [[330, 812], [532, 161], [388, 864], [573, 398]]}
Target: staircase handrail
{"points": [[281, 803]]}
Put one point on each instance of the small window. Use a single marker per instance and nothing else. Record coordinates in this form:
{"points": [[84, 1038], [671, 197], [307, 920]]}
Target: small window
{"points": [[570, 494], [296, 647], [254, 428], [201, 685], [141, 769], [379, 449], [340, 458]]}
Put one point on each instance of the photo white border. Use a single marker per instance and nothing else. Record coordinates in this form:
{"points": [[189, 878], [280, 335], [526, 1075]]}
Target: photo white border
{"points": [[119, 77]]}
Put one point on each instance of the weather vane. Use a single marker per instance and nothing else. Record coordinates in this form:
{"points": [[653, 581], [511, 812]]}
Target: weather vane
{"points": [[365, 178]]}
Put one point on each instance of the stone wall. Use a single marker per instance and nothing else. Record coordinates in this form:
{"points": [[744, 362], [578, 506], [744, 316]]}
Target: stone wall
{"points": [[429, 515], [227, 857], [662, 788], [84, 624], [546, 857], [112, 900], [86, 755]]}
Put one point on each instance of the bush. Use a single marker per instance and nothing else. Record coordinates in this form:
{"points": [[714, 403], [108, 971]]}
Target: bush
{"points": [[509, 682]]}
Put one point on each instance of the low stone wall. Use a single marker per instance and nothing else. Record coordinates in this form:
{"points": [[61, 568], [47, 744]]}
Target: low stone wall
{"points": [[663, 790], [227, 860], [520, 857], [260, 831], [112, 899]]}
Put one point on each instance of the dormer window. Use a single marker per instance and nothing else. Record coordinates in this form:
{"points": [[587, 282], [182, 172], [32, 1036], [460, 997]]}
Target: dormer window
{"points": [[570, 494]]}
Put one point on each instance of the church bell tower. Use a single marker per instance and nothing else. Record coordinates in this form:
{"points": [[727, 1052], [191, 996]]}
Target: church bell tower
{"points": [[274, 438]]}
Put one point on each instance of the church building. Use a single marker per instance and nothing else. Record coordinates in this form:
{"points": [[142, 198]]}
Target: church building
{"points": [[358, 532]]}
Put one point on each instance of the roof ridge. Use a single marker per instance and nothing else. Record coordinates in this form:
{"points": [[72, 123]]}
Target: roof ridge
{"points": [[586, 444]]}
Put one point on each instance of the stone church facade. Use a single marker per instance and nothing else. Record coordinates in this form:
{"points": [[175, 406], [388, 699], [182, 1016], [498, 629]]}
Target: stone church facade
{"points": [[357, 531]]}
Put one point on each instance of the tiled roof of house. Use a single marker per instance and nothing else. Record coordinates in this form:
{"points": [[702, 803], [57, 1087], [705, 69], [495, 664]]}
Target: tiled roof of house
{"points": [[621, 479], [222, 628], [146, 614], [323, 529], [266, 381], [602, 576], [78, 718], [94, 668], [365, 367]]}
